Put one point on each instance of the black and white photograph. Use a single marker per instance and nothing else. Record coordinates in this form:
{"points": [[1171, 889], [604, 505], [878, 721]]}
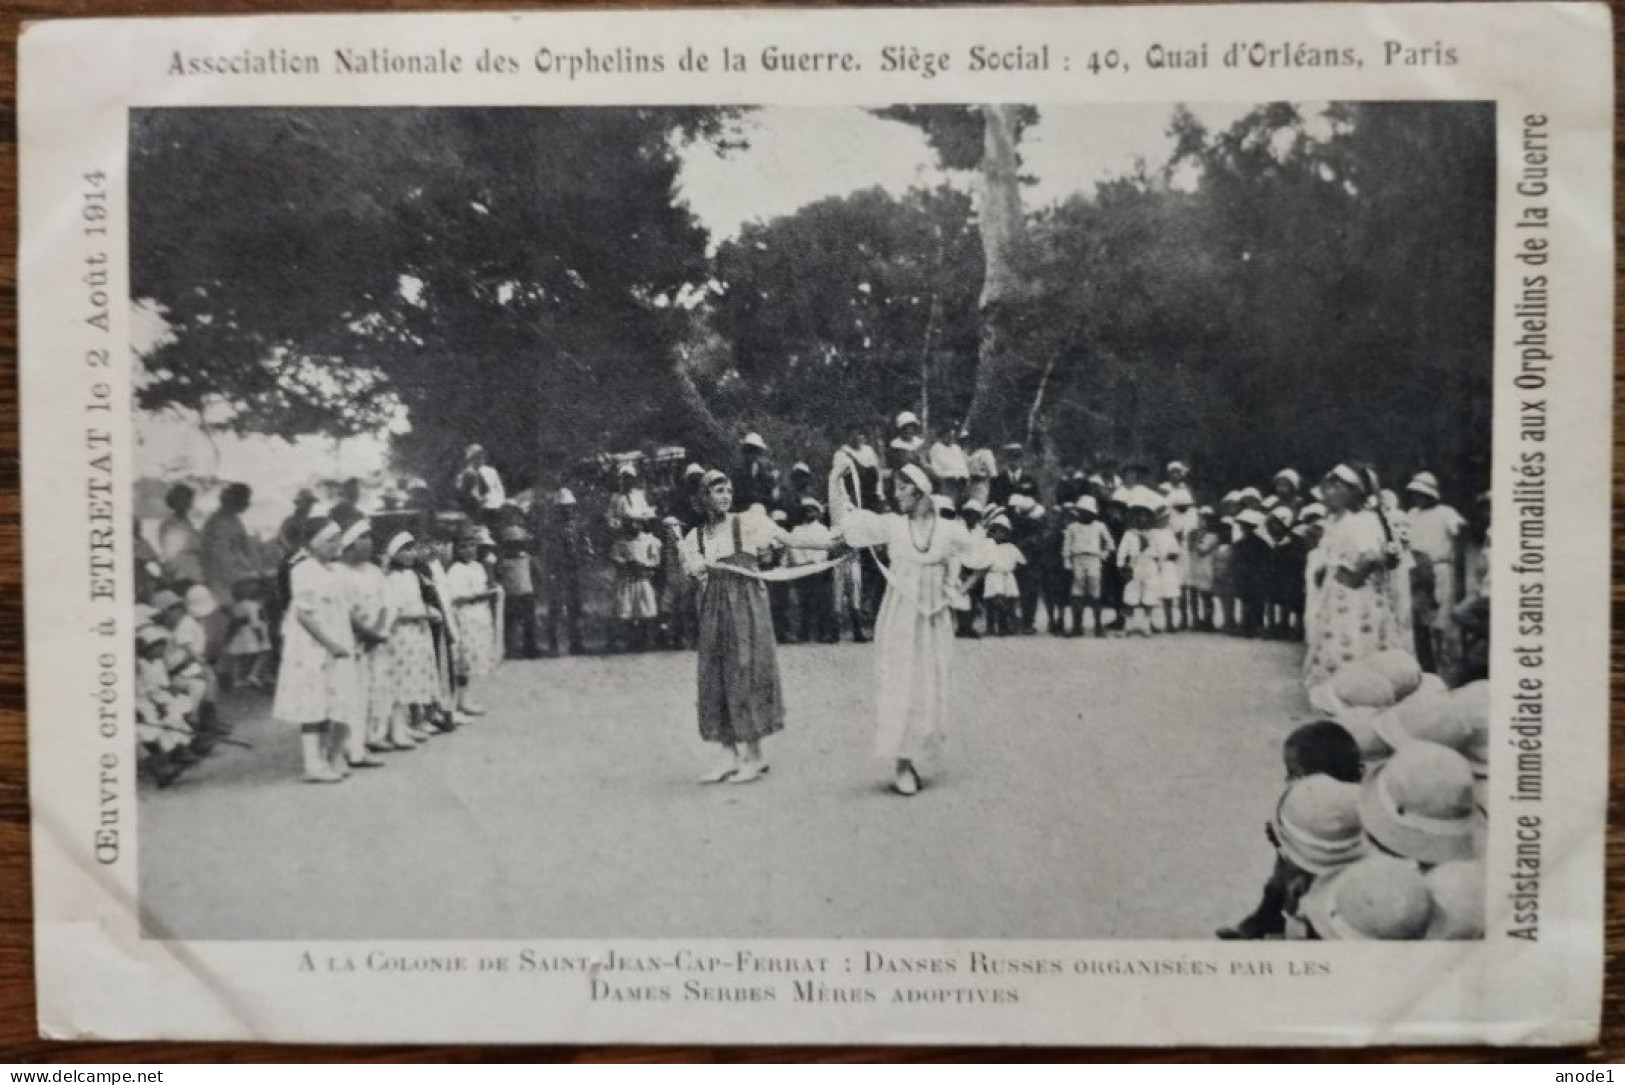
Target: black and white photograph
{"points": [[920, 521]]}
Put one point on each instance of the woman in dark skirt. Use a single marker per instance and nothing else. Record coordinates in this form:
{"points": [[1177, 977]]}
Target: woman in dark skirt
{"points": [[740, 699]]}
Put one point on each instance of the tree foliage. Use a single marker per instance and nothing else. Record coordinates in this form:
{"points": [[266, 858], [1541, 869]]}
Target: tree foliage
{"points": [[488, 270]]}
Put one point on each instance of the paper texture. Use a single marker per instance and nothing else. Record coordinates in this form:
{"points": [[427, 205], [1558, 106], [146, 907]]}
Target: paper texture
{"points": [[494, 282]]}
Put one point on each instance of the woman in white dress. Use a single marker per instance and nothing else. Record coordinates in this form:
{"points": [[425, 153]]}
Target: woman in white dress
{"points": [[914, 631], [317, 685], [1359, 608]]}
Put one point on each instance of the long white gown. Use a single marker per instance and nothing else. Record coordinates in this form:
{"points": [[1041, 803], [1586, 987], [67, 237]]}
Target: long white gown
{"points": [[914, 631]]}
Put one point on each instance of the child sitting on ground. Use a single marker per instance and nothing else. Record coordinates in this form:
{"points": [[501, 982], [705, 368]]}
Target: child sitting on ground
{"points": [[1316, 827]]}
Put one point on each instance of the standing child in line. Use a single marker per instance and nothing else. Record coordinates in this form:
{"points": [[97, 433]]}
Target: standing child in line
{"points": [[1087, 544], [1286, 575], [1001, 591], [779, 596], [248, 651], [317, 688], [1137, 559], [517, 580], [815, 595], [675, 590], [1054, 575], [1201, 545], [636, 556], [979, 553], [1249, 570], [1170, 573], [410, 647], [473, 597], [364, 593]]}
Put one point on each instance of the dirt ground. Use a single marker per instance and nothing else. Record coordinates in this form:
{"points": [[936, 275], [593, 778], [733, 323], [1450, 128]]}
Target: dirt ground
{"points": [[1091, 789]]}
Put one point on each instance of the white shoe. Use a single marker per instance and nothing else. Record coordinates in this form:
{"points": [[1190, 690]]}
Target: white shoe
{"points": [[720, 773], [907, 782]]}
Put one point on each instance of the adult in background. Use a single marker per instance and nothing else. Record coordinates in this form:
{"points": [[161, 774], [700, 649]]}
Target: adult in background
{"points": [[740, 701], [854, 483], [1435, 536], [1357, 604], [229, 555], [754, 482], [479, 487], [291, 535], [180, 544], [1013, 477], [566, 555], [949, 464], [981, 467], [347, 510], [914, 631]]}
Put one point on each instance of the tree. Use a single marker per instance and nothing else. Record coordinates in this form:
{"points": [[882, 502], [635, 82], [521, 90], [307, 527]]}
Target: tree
{"points": [[985, 138], [486, 270], [850, 309]]}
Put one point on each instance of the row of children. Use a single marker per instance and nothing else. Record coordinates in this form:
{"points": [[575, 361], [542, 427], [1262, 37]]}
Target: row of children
{"points": [[376, 655], [1380, 831]]}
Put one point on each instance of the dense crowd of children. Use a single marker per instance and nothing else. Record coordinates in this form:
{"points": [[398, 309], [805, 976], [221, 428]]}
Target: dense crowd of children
{"points": [[1379, 832], [376, 635], [379, 648]]}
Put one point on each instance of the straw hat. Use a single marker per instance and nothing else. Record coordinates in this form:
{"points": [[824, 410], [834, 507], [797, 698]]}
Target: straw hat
{"points": [[1088, 504], [1317, 823], [1423, 483], [1400, 668], [1377, 898], [1361, 722], [1419, 804], [1458, 892], [1361, 685], [754, 440]]}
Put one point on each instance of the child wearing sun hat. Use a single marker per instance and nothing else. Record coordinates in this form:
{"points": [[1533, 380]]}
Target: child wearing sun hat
{"points": [[1418, 805], [1316, 825], [1379, 898]]}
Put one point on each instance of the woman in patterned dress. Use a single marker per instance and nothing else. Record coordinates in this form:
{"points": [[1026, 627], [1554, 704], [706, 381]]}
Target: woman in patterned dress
{"points": [[1358, 607], [740, 701], [317, 685]]}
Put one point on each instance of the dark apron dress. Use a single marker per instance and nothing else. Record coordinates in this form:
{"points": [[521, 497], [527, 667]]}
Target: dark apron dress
{"points": [[740, 699]]}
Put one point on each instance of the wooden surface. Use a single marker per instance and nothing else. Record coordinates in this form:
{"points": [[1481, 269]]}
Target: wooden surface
{"points": [[18, 1041]]}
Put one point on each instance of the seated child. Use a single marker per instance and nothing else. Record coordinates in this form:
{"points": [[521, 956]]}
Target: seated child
{"points": [[1316, 827]]}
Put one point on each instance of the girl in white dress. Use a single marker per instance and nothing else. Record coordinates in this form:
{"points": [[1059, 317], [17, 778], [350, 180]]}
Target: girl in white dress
{"points": [[914, 631], [366, 592], [316, 685], [473, 598]]}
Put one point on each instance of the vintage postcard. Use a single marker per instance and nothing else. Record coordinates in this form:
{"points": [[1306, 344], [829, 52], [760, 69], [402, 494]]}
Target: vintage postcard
{"points": [[1037, 526]]}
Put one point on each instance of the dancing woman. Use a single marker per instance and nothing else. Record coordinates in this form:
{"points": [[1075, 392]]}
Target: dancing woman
{"points": [[740, 699], [914, 631]]}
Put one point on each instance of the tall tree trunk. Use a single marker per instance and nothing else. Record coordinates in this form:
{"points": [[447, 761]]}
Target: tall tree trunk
{"points": [[1004, 278], [712, 438]]}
